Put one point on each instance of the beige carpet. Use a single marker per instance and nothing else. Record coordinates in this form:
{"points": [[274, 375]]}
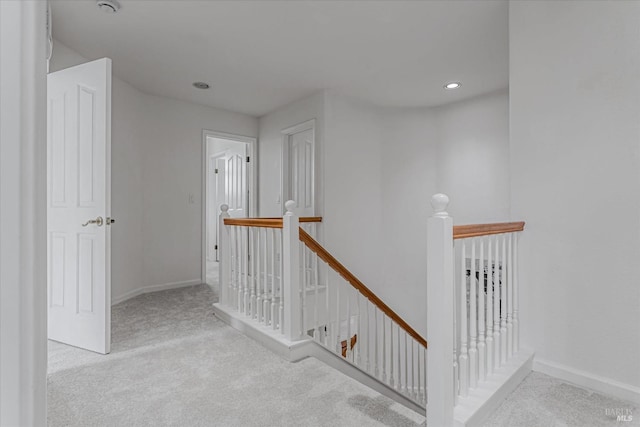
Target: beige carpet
{"points": [[174, 364]]}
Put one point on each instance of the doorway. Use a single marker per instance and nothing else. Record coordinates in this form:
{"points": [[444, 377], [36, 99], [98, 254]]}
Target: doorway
{"points": [[228, 178], [298, 167]]}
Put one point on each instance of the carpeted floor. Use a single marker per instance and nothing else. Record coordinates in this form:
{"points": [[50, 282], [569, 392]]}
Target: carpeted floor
{"points": [[174, 364], [544, 401]]}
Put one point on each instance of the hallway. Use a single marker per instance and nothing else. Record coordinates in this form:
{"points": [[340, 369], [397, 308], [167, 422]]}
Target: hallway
{"points": [[174, 364]]}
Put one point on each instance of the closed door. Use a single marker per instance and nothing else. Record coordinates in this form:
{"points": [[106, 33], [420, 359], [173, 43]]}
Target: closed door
{"points": [[300, 172], [79, 205]]}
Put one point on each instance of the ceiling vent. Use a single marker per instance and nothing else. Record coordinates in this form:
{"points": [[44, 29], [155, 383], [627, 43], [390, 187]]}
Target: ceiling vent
{"points": [[108, 6]]}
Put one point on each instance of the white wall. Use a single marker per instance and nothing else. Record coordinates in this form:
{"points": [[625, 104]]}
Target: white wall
{"points": [[156, 166], [381, 166], [461, 149], [575, 168], [409, 175], [23, 224], [473, 158], [172, 165], [270, 151], [352, 217]]}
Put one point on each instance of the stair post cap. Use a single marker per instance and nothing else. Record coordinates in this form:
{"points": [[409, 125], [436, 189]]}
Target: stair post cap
{"points": [[224, 207], [290, 205], [439, 203]]}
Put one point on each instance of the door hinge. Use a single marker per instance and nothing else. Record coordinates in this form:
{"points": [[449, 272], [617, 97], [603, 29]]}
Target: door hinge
{"points": [[216, 171], [216, 247], [248, 159]]}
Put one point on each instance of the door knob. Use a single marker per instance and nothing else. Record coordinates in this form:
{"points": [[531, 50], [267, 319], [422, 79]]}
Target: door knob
{"points": [[98, 221]]}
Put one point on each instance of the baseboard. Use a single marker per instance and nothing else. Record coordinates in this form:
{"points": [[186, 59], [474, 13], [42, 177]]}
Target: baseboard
{"points": [[584, 379], [332, 359], [153, 288], [292, 351], [474, 409]]}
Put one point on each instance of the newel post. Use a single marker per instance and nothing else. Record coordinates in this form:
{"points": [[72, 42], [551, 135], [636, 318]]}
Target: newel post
{"points": [[440, 333], [224, 255], [291, 272]]}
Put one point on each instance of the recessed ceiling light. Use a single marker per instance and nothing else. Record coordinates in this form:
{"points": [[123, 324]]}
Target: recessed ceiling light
{"points": [[201, 85], [108, 6], [452, 85]]}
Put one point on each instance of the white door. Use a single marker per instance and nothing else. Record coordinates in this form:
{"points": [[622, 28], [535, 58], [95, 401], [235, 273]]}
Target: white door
{"points": [[235, 180], [79, 205], [300, 172]]}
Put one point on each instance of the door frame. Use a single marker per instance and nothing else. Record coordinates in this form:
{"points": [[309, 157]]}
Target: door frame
{"points": [[252, 171], [284, 170]]}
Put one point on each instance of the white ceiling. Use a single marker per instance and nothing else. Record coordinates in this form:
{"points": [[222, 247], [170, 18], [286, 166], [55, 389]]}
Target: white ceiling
{"points": [[260, 55]]}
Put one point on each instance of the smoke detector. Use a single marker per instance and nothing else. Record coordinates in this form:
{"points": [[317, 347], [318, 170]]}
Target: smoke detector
{"points": [[108, 6]]}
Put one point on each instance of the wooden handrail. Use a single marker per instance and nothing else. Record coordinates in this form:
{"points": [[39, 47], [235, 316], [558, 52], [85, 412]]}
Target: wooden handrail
{"points": [[266, 222], [476, 230], [314, 246]]}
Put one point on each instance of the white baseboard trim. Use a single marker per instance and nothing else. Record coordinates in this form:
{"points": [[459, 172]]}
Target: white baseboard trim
{"points": [[587, 380], [153, 288], [294, 351]]}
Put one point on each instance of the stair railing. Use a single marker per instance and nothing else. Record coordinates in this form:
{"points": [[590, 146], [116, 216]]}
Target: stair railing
{"points": [[257, 268], [472, 306], [275, 272]]}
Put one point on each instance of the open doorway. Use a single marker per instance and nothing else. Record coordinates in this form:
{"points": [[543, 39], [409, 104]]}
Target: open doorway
{"points": [[228, 178]]}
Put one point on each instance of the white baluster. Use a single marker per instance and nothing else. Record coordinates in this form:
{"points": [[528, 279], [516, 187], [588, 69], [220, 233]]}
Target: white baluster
{"points": [[337, 328], [406, 365], [281, 281], [414, 367], [419, 391], [316, 300], [232, 270], [359, 343], [348, 338], [391, 379], [274, 256], [497, 300], [255, 269], [490, 359], [510, 297], [440, 284], [482, 354], [304, 283], [473, 331], [384, 350], [241, 264], [224, 255], [251, 295], [376, 335], [399, 360], [327, 304], [503, 304], [424, 395], [463, 360], [368, 341], [516, 279], [265, 277]]}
